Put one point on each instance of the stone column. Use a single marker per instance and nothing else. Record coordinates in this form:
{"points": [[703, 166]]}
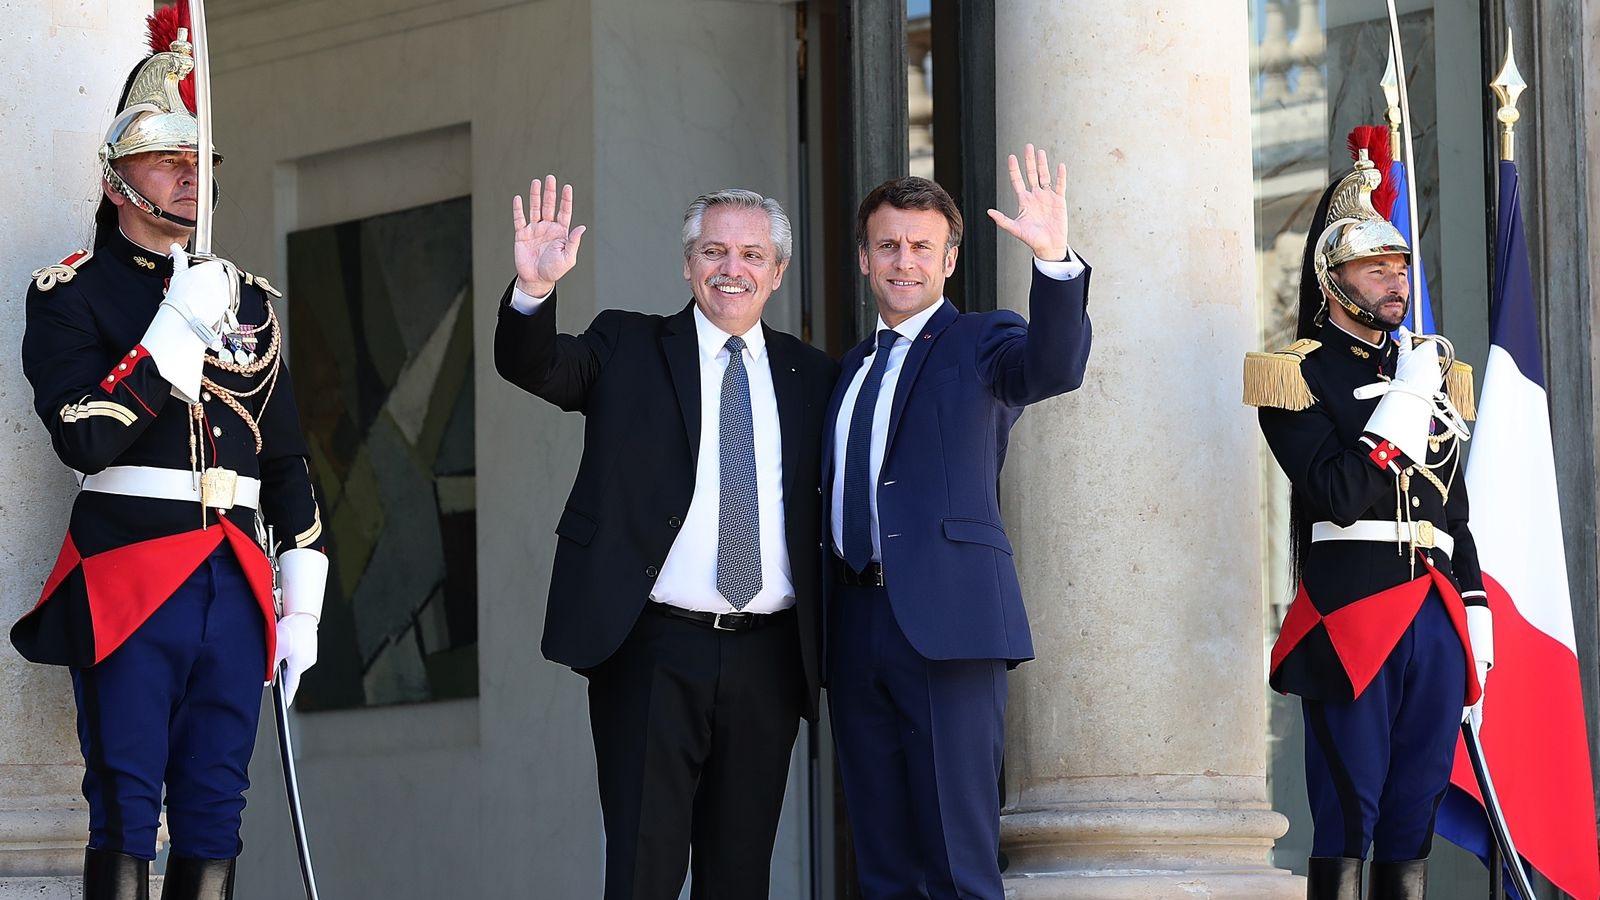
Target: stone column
{"points": [[73, 58], [1136, 763]]}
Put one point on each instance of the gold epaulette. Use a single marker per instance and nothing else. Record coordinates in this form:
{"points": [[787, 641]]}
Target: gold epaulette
{"points": [[62, 272], [1274, 379], [1458, 387], [260, 282]]}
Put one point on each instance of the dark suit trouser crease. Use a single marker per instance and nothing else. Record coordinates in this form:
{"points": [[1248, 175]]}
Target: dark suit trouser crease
{"points": [[693, 732], [919, 745]]}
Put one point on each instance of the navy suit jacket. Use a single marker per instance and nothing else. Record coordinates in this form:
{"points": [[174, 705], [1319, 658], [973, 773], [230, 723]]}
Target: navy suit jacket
{"points": [[965, 380]]}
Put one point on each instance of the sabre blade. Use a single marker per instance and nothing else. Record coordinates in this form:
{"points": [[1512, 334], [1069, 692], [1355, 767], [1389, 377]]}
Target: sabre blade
{"points": [[291, 782], [1496, 816], [1410, 158], [205, 175]]}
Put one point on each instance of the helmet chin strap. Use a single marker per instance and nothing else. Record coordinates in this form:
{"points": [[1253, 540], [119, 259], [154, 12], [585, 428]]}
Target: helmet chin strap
{"points": [[1362, 316], [139, 201]]}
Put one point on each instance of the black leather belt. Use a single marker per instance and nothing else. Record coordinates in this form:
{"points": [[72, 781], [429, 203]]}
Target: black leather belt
{"points": [[728, 621], [872, 576]]}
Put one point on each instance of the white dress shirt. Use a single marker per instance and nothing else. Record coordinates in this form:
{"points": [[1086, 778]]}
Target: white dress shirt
{"points": [[688, 578], [906, 332]]}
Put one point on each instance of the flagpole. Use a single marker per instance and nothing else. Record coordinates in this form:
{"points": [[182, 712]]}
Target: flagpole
{"points": [[1507, 87], [1410, 158]]}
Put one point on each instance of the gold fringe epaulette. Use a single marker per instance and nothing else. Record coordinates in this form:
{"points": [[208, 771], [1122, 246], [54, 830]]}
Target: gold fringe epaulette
{"points": [[62, 272], [260, 282], [1458, 387], [1274, 379]]}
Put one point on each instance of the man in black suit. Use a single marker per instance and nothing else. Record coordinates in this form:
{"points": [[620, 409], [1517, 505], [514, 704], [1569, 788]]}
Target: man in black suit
{"points": [[685, 585]]}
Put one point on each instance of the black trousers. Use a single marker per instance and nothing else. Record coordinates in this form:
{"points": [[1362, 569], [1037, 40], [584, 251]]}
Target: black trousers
{"points": [[693, 731]]}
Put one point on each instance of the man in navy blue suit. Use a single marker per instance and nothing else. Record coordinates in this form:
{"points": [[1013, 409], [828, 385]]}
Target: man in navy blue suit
{"points": [[924, 613]]}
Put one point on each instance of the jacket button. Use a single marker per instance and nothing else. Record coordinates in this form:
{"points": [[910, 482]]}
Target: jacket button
{"points": [[652, 571], [674, 522]]}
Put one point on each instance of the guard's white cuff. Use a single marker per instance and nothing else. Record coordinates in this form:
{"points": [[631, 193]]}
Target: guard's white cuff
{"points": [[525, 304], [1402, 418], [177, 350], [304, 575], [1480, 630], [1059, 269]]}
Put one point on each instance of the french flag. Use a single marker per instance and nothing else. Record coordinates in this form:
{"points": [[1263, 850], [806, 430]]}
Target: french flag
{"points": [[1533, 733]]}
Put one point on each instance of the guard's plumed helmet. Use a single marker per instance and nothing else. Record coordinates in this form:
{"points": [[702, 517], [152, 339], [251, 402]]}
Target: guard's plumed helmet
{"points": [[157, 112], [1351, 228]]}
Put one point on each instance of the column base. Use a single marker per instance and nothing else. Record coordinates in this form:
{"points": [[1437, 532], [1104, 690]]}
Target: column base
{"points": [[53, 888], [44, 838], [1133, 885], [1145, 853]]}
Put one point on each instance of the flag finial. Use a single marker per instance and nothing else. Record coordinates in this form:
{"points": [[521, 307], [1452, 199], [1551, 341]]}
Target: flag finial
{"points": [[1391, 95], [1508, 86]]}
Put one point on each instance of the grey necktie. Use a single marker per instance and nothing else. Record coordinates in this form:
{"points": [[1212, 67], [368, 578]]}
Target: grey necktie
{"points": [[738, 515]]}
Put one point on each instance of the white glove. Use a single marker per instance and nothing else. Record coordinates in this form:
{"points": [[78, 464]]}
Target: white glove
{"points": [[1405, 413], [304, 575], [1480, 631], [187, 321], [297, 645], [1418, 367]]}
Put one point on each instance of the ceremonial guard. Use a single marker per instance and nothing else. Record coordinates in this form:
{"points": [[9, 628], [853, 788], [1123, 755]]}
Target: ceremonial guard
{"points": [[1388, 639], [161, 381]]}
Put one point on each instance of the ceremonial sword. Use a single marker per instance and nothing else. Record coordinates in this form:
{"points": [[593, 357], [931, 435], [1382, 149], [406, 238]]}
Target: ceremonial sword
{"points": [[1491, 806], [280, 708]]}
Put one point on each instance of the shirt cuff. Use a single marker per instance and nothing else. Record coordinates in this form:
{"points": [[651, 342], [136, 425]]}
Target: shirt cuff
{"points": [[525, 304], [1060, 269]]}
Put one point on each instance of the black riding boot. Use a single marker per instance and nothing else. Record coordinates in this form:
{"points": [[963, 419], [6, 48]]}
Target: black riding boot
{"points": [[198, 879], [1333, 878], [109, 875], [1407, 880]]}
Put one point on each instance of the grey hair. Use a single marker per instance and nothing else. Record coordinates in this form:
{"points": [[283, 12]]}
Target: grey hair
{"points": [[694, 217]]}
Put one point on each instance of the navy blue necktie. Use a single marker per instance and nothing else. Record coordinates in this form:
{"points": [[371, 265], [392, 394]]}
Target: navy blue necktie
{"points": [[858, 460], [738, 512]]}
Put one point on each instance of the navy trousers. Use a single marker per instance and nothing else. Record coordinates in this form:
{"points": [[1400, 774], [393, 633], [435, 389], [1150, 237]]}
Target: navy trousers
{"points": [[176, 704], [919, 744], [1377, 767]]}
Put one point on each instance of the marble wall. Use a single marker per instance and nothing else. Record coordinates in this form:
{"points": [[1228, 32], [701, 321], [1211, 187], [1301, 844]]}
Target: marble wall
{"points": [[70, 60]]}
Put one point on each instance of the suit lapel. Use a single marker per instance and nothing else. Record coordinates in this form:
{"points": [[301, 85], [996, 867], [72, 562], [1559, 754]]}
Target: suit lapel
{"points": [[791, 403], [682, 350], [915, 357]]}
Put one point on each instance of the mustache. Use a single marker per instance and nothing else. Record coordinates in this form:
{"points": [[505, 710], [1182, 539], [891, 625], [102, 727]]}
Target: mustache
{"points": [[738, 281]]}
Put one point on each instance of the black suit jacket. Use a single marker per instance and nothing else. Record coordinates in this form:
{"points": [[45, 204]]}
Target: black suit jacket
{"points": [[636, 379]]}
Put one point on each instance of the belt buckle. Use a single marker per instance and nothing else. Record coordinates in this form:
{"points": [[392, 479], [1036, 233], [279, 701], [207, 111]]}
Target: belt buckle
{"points": [[217, 487], [1425, 535], [716, 623]]}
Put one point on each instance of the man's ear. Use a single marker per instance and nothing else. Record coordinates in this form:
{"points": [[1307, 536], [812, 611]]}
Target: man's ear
{"points": [[112, 194], [777, 278], [861, 257], [950, 260]]}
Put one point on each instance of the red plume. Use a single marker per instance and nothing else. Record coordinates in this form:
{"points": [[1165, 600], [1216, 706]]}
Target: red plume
{"points": [[1375, 140], [164, 24]]}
